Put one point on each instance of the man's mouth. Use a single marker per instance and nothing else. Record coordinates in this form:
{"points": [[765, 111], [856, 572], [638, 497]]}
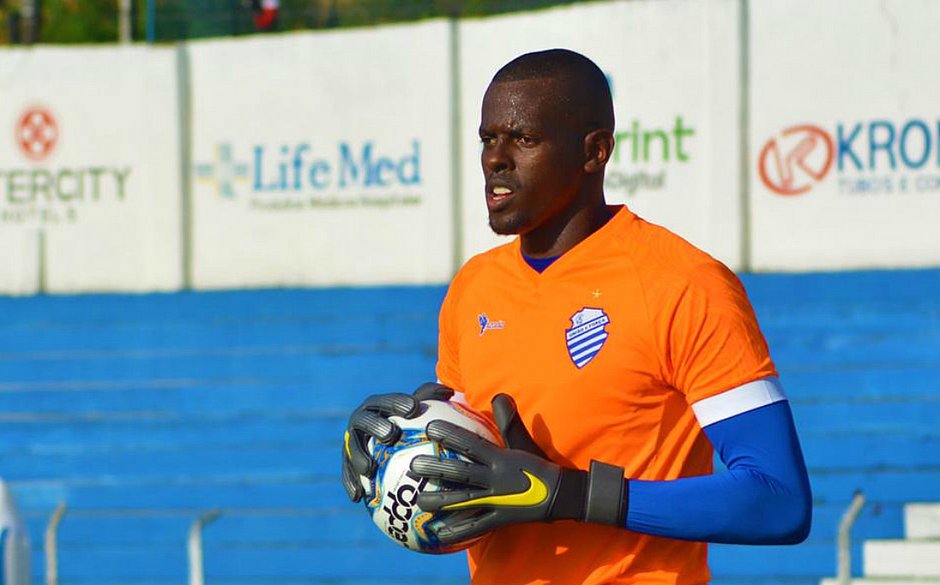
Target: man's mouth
{"points": [[498, 197]]}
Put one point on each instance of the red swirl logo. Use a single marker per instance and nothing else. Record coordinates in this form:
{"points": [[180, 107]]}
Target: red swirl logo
{"points": [[37, 133], [793, 162]]}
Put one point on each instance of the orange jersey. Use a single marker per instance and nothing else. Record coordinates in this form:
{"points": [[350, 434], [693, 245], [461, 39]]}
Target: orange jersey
{"points": [[604, 352]]}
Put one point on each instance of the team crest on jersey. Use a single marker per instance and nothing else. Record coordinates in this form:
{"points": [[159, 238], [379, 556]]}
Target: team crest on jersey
{"points": [[587, 335]]}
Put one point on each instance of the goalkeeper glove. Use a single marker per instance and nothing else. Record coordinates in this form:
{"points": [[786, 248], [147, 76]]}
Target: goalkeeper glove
{"points": [[370, 419], [515, 484]]}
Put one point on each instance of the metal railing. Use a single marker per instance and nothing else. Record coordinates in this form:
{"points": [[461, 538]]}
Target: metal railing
{"points": [[844, 544], [52, 544], [194, 546], [194, 540]]}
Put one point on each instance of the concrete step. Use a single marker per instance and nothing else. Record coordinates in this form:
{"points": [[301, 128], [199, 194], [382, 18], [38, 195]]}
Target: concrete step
{"points": [[922, 520], [893, 558]]}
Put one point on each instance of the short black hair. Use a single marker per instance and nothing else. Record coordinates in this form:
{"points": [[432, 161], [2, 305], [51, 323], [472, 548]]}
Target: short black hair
{"points": [[587, 86]]}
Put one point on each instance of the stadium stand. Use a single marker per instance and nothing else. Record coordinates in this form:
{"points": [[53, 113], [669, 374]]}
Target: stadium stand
{"points": [[913, 560], [141, 412]]}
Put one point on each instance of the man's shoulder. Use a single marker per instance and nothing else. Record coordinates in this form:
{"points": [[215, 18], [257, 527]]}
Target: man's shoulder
{"points": [[660, 248], [486, 264], [665, 259]]}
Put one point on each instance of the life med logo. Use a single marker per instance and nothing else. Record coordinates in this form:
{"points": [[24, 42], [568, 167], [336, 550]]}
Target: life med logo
{"points": [[305, 175], [224, 172], [873, 157]]}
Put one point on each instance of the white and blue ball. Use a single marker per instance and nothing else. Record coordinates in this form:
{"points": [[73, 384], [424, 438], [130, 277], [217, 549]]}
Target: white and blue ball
{"points": [[391, 498]]}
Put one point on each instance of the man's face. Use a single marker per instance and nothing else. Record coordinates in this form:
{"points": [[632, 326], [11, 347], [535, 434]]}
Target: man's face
{"points": [[533, 155]]}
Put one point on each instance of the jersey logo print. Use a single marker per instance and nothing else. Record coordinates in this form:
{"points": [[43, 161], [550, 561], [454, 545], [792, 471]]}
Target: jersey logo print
{"points": [[486, 324], [587, 335]]}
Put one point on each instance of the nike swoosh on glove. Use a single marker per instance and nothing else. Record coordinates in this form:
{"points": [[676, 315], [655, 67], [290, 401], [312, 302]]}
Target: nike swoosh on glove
{"points": [[514, 484]]}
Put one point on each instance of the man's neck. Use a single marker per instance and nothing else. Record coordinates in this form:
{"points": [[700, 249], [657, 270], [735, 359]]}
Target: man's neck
{"points": [[566, 233]]}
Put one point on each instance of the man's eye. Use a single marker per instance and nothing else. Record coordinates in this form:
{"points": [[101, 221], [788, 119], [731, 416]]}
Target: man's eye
{"points": [[487, 140], [526, 140]]}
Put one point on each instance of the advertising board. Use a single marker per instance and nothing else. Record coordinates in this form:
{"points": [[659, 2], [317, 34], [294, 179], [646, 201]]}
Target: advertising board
{"points": [[322, 159], [845, 139], [673, 71], [89, 169]]}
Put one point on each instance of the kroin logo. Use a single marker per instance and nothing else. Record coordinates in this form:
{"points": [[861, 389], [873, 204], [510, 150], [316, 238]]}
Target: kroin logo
{"points": [[796, 160], [874, 157], [37, 133]]}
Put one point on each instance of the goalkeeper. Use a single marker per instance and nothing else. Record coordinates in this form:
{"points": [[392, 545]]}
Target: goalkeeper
{"points": [[614, 357]]}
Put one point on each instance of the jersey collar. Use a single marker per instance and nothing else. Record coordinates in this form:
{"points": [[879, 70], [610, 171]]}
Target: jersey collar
{"points": [[583, 250]]}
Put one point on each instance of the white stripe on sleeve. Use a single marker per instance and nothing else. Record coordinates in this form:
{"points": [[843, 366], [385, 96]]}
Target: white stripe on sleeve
{"points": [[738, 400]]}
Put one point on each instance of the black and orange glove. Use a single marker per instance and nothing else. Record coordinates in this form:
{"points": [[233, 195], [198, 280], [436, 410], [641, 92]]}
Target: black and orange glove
{"points": [[513, 484]]}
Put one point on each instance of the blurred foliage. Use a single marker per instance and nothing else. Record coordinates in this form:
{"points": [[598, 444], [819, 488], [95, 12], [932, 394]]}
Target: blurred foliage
{"points": [[78, 21], [96, 21], [6, 13]]}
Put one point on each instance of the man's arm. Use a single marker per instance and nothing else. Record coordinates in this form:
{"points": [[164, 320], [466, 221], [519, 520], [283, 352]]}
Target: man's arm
{"points": [[764, 496]]}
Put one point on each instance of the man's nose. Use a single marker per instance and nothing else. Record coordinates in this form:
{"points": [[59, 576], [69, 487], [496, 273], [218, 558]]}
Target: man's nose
{"points": [[496, 157]]}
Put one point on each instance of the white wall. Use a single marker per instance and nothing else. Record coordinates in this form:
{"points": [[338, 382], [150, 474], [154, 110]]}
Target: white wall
{"points": [[324, 158], [106, 195], [870, 65], [298, 116], [673, 67]]}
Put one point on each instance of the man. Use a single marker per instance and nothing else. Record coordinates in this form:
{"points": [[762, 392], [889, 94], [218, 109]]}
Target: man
{"points": [[615, 356]]}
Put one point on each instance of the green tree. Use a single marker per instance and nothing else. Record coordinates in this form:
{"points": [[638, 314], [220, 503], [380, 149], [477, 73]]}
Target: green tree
{"points": [[96, 21], [78, 21]]}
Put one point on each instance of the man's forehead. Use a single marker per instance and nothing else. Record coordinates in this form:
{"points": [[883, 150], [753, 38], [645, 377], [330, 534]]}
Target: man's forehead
{"points": [[534, 88], [540, 98]]}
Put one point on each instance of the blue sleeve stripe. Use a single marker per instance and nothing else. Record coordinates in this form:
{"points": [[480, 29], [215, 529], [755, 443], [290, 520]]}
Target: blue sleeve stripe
{"points": [[738, 400]]}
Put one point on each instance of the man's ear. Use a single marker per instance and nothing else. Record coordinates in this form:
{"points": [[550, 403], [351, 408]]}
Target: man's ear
{"points": [[598, 148]]}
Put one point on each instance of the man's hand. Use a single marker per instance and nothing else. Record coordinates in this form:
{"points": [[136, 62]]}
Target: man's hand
{"points": [[515, 484], [370, 419]]}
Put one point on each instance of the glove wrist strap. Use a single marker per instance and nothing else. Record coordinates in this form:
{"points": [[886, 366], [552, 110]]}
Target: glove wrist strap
{"points": [[606, 498]]}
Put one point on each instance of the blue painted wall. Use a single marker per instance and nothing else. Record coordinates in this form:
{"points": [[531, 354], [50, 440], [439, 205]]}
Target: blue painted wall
{"points": [[142, 411]]}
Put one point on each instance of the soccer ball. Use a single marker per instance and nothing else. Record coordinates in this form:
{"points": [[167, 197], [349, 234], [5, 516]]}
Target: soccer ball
{"points": [[391, 498]]}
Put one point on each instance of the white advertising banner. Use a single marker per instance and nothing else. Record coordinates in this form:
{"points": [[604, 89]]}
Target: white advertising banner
{"points": [[845, 141], [89, 169], [322, 158], [673, 69]]}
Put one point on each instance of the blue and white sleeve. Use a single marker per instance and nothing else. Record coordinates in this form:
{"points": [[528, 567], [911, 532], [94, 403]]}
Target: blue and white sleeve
{"points": [[764, 497]]}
